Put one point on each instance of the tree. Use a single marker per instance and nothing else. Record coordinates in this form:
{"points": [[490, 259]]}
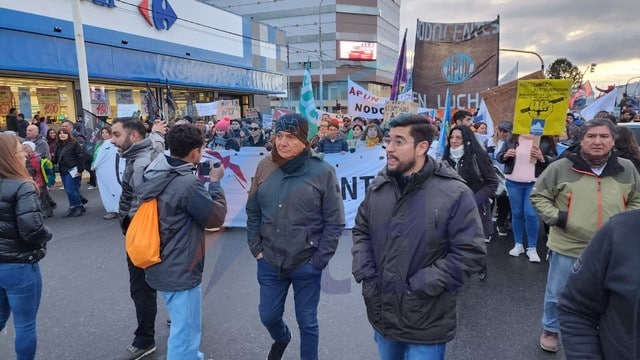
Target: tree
{"points": [[563, 69]]}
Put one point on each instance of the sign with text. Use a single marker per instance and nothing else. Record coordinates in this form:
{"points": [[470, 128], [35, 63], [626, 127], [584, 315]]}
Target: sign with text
{"points": [[361, 102], [124, 96], [230, 108], [459, 56], [99, 101], [6, 100], [542, 103], [395, 108], [49, 101]]}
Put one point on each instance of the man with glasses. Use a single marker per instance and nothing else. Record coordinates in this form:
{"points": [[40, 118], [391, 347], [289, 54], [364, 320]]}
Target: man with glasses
{"points": [[417, 234]]}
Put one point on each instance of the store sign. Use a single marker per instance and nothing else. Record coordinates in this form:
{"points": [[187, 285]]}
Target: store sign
{"points": [[49, 101], [358, 51], [158, 13]]}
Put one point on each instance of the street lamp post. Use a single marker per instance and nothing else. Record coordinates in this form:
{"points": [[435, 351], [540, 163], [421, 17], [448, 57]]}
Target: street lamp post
{"points": [[527, 52], [320, 52]]}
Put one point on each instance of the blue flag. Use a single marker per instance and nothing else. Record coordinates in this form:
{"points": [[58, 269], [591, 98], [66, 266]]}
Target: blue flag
{"points": [[445, 126]]}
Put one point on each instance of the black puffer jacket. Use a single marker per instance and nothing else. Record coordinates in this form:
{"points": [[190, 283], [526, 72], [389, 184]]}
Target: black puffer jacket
{"points": [[23, 234], [68, 156], [412, 249]]}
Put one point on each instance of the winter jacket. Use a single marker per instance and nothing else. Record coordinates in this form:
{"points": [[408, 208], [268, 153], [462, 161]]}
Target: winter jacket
{"points": [[599, 310], [328, 146], [412, 249], [23, 235], [295, 212], [137, 157], [185, 209], [42, 147], [547, 148], [576, 202], [68, 156]]}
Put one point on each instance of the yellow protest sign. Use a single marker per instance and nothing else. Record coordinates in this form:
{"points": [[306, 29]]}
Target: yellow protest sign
{"points": [[49, 101], [541, 107]]}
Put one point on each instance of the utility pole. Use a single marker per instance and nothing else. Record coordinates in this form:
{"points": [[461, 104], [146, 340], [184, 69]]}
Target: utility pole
{"points": [[320, 52], [527, 52], [81, 55]]}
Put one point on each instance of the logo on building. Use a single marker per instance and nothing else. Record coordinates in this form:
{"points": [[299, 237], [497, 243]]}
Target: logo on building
{"points": [[158, 13]]}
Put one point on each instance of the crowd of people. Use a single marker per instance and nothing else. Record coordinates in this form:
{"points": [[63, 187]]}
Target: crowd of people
{"points": [[422, 228]]}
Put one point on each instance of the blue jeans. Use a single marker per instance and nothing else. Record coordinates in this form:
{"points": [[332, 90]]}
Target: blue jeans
{"points": [[523, 217], [72, 188], [185, 311], [20, 292], [397, 350], [559, 270], [274, 287]]}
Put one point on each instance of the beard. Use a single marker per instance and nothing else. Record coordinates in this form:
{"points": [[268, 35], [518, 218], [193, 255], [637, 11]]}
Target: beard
{"points": [[126, 144], [400, 167]]}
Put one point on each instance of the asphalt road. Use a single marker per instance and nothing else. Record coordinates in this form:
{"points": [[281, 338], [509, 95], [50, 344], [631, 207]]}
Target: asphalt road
{"points": [[86, 312]]}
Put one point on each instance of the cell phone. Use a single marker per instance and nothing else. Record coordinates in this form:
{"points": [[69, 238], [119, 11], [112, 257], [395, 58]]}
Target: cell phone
{"points": [[204, 168]]}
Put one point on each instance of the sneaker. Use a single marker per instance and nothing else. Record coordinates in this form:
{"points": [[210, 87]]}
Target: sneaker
{"points": [[61, 188], [487, 239], [277, 349], [91, 187], [532, 254], [72, 212], [133, 353], [110, 215], [517, 250], [502, 230], [549, 341], [84, 200], [482, 274]]}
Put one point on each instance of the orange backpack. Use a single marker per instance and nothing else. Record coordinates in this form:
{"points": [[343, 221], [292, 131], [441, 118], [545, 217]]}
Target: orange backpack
{"points": [[143, 234]]}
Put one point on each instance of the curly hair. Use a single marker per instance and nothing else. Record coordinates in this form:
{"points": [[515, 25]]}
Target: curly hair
{"points": [[182, 139]]}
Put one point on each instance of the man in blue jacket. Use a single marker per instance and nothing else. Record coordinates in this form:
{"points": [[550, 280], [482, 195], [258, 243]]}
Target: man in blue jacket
{"points": [[295, 218]]}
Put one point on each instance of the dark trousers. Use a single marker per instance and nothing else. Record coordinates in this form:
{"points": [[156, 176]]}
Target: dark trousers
{"points": [[144, 299], [503, 209], [274, 287]]}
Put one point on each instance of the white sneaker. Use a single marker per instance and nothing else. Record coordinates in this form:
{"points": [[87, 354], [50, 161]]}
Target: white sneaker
{"points": [[91, 187], [532, 254], [517, 250]]}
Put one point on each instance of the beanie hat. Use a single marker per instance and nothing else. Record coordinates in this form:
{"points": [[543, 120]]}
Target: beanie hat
{"points": [[223, 124], [294, 124], [506, 126], [30, 144], [188, 118]]}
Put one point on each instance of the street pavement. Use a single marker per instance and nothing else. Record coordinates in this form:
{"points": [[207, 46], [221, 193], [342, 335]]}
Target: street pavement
{"points": [[86, 312]]}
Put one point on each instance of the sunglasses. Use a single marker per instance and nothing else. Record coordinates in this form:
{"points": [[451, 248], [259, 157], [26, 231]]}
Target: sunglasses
{"points": [[254, 128]]}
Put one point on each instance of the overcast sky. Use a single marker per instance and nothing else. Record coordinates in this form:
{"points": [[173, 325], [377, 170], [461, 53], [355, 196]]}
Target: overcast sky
{"points": [[584, 32]]}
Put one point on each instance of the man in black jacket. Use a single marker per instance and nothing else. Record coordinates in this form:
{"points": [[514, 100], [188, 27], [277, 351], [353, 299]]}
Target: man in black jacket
{"points": [[599, 311], [417, 234], [138, 151], [295, 217]]}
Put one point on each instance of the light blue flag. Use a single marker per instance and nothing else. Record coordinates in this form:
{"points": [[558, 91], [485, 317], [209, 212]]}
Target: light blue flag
{"points": [[445, 126], [307, 106]]}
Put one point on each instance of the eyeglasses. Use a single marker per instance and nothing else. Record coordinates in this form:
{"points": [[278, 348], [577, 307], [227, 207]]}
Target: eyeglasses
{"points": [[396, 142], [254, 128]]}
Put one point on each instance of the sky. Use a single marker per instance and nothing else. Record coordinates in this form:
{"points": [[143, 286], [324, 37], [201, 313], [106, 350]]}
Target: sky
{"points": [[590, 31]]}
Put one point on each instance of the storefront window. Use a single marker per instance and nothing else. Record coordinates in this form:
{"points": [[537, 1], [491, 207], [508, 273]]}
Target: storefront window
{"points": [[51, 99]]}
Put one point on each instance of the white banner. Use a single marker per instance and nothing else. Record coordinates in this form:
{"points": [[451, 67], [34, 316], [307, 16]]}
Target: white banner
{"points": [[606, 102], [206, 109], [363, 103], [127, 110], [355, 171]]}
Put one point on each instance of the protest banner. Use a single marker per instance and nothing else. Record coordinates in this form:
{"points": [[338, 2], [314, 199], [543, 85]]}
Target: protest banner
{"points": [[228, 108], [395, 108], [541, 106], [361, 102]]}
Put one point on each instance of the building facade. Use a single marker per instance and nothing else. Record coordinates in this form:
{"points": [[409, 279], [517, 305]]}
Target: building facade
{"points": [[356, 38], [204, 53]]}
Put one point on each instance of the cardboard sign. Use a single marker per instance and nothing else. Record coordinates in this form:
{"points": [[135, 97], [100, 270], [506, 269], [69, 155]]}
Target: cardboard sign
{"points": [[395, 108], [49, 101], [542, 103]]}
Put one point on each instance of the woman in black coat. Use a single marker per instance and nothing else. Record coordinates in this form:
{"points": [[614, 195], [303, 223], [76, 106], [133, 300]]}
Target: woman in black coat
{"points": [[69, 157], [23, 238]]}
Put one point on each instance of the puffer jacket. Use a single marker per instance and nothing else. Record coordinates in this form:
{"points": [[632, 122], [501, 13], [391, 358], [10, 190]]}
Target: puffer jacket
{"points": [[68, 156], [412, 250], [185, 209], [23, 235], [575, 202], [295, 216], [137, 157]]}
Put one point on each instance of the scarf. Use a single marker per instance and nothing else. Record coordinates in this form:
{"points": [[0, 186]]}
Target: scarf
{"points": [[595, 162], [290, 166], [372, 141], [456, 154]]}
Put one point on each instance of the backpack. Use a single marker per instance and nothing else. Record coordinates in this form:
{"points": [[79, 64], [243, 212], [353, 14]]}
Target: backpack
{"points": [[142, 240]]}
